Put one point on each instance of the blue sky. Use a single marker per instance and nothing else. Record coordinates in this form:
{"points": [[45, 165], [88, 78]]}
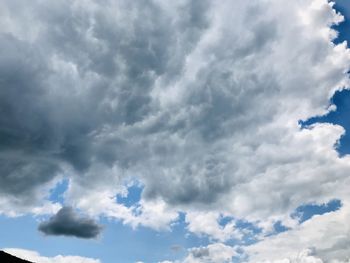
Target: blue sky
{"points": [[119, 243], [157, 125]]}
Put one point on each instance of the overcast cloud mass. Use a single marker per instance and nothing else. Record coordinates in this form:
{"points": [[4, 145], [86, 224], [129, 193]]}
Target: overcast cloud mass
{"points": [[199, 102]]}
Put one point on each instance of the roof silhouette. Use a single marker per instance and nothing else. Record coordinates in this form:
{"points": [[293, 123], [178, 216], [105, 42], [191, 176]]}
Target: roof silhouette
{"points": [[7, 258]]}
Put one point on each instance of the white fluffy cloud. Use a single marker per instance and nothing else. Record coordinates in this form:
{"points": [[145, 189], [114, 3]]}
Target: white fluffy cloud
{"points": [[197, 100], [208, 224], [36, 257], [327, 235]]}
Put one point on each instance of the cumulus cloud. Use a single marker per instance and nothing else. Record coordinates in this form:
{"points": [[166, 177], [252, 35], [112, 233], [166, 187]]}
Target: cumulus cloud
{"points": [[305, 256], [208, 224], [198, 100], [327, 235], [34, 256], [213, 253], [67, 223]]}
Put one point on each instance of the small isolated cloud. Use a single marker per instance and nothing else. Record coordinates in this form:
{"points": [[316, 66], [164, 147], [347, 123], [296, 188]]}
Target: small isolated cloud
{"points": [[36, 257], [176, 248], [67, 223]]}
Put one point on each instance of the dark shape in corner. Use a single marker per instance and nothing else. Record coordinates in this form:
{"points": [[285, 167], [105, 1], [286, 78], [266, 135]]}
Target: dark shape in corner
{"points": [[67, 223], [4, 257]]}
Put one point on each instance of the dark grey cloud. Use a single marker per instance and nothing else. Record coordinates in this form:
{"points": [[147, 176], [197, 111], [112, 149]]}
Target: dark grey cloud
{"points": [[67, 223], [68, 90], [26, 132]]}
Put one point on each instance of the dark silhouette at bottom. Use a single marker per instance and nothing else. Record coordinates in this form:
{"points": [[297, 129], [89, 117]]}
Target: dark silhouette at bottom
{"points": [[7, 258]]}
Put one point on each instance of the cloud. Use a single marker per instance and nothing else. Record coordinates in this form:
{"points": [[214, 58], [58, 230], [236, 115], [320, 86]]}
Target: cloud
{"points": [[304, 256], [213, 253], [176, 248], [199, 101], [34, 256], [208, 224], [326, 235], [307, 256], [67, 223]]}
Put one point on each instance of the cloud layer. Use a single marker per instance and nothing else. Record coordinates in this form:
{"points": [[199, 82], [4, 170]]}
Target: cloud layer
{"points": [[199, 101]]}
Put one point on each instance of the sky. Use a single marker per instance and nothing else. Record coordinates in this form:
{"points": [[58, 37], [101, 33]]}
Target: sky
{"points": [[189, 131]]}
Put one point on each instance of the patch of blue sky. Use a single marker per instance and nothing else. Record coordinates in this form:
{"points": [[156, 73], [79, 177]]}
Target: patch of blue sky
{"points": [[343, 6], [57, 193], [341, 117], [306, 212], [133, 196], [249, 231], [252, 234], [242, 224], [224, 220], [279, 227], [118, 243], [165, 245]]}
